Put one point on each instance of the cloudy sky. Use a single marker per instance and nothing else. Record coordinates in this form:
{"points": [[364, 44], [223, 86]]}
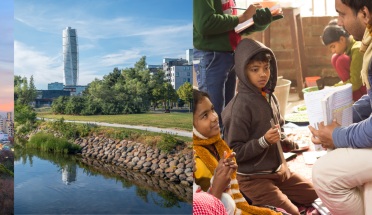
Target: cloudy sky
{"points": [[111, 33], [6, 56]]}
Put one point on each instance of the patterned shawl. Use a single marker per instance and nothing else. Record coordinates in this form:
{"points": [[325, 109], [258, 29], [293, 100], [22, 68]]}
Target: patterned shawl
{"points": [[366, 48]]}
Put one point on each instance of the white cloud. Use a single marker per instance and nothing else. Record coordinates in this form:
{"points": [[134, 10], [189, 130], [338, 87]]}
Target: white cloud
{"points": [[95, 28], [168, 43], [45, 68], [119, 58]]}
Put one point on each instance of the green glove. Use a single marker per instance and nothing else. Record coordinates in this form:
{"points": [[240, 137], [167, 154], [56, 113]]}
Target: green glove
{"points": [[262, 19]]}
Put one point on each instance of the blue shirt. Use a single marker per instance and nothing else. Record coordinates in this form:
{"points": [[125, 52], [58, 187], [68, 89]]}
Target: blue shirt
{"points": [[358, 134]]}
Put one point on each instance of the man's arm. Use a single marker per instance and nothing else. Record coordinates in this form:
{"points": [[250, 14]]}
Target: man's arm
{"points": [[357, 135], [362, 109]]}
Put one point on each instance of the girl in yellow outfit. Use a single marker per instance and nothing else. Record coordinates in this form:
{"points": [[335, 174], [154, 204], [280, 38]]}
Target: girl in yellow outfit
{"points": [[210, 148]]}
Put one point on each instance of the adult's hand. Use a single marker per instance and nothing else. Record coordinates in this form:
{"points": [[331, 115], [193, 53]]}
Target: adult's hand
{"points": [[323, 135], [249, 12], [262, 19]]}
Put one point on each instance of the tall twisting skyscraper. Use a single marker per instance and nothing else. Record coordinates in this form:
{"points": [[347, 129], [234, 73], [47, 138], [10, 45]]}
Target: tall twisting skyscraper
{"points": [[70, 57]]}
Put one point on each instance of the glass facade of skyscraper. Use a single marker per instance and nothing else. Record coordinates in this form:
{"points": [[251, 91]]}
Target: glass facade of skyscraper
{"points": [[70, 57]]}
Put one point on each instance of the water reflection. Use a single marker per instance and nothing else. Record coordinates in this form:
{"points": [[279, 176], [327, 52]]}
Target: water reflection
{"points": [[93, 187], [69, 173]]}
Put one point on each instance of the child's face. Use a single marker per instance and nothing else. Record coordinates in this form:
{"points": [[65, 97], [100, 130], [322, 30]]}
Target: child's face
{"points": [[206, 119], [338, 47], [258, 73]]}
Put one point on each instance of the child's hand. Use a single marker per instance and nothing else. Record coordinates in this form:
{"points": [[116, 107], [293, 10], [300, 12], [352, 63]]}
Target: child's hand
{"points": [[229, 161], [272, 136], [221, 179]]}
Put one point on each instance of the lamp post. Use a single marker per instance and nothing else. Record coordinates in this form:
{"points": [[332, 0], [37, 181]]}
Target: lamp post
{"points": [[167, 109], [169, 81]]}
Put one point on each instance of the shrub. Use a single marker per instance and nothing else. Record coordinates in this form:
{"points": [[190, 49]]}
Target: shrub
{"points": [[71, 130], [47, 142], [168, 143]]}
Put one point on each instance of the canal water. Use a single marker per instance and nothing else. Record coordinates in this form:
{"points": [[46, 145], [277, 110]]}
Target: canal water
{"points": [[47, 183]]}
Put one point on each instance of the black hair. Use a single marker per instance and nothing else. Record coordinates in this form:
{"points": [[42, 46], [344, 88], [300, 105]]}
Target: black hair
{"points": [[357, 5], [332, 33], [197, 97], [263, 56]]}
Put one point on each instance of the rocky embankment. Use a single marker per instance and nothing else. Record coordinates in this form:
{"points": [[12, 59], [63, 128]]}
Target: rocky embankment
{"points": [[148, 182], [176, 167]]}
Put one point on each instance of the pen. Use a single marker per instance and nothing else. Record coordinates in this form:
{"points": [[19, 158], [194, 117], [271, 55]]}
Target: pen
{"points": [[239, 8]]}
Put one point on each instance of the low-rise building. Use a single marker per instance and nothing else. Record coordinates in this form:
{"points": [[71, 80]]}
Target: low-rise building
{"points": [[45, 98], [75, 90], [55, 86], [180, 74]]}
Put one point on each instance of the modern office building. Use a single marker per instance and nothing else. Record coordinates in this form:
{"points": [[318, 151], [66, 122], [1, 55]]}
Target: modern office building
{"points": [[75, 90], [70, 57], [169, 62], [180, 74], [189, 55], [45, 98], [55, 86], [153, 69]]}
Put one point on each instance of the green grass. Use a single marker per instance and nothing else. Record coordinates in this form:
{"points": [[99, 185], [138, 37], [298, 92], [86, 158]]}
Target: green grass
{"points": [[48, 143], [142, 136], [182, 121]]}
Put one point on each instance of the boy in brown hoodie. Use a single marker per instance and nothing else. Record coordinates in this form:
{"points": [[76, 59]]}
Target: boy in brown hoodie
{"points": [[261, 173]]}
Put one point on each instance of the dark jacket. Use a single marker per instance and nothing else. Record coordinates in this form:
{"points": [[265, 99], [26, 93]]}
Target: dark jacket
{"points": [[247, 117]]}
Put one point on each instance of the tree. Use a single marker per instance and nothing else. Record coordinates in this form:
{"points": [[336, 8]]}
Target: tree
{"points": [[59, 104], [24, 92], [91, 107], [24, 95], [24, 117], [17, 87], [32, 90], [75, 105], [157, 88], [170, 95], [140, 64], [121, 91], [185, 93]]}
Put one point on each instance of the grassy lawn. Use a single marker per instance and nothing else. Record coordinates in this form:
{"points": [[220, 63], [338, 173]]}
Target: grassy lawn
{"points": [[134, 134], [174, 120]]}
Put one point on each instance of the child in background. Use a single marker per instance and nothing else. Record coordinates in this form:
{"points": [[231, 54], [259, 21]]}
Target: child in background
{"points": [[210, 149], [346, 59], [261, 173]]}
